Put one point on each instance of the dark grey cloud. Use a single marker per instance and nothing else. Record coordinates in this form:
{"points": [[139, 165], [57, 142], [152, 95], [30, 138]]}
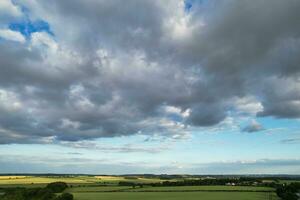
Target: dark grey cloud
{"points": [[111, 69], [207, 115], [243, 44], [281, 98]]}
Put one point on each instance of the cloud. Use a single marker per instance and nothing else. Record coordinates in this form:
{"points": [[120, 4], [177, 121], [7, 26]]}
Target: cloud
{"points": [[254, 126], [282, 95], [8, 11], [78, 164], [259, 166], [290, 141], [207, 115], [248, 105], [109, 70], [127, 148], [12, 35]]}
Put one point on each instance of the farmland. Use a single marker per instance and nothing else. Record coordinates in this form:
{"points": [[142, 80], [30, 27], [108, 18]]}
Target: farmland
{"points": [[179, 192], [175, 196], [109, 188]]}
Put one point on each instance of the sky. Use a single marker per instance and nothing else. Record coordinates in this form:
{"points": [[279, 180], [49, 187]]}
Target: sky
{"points": [[150, 86]]}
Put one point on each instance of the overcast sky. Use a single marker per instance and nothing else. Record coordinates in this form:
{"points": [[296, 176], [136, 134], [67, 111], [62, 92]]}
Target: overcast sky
{"points": [[150, 86]]}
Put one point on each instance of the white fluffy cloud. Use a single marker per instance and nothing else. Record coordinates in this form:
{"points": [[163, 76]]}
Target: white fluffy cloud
{"points": [[12, 35], [8, 10]]}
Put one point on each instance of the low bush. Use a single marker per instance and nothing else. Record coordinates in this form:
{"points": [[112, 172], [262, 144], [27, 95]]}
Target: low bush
{"points": [[57, 187]]}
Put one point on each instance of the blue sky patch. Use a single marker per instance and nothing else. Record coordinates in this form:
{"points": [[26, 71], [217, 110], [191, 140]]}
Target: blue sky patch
{"points": [[188, 5], [28, 27]]}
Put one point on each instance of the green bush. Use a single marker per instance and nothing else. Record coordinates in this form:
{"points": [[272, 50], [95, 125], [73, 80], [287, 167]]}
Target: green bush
{"points": [[28, 194], [57, 187], [65, 196], [47, 193]]}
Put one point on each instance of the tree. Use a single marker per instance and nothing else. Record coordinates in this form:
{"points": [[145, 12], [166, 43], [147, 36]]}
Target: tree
{"points": [[57, 187]]}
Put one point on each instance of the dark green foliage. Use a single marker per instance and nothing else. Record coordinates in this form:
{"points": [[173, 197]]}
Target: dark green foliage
{"points": [[126, 183], [47, 193], [244, 181], [288, 192], [38, 193], [131, 177], [29, 194], [198, 182], [65, 196], [13, 195], [57, 187]]}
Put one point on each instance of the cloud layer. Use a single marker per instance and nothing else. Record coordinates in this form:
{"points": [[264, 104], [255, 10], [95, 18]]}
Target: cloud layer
{"points": [[148, 67]]}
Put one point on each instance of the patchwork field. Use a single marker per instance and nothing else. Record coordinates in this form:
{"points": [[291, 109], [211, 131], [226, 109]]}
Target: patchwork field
{"points": [[107, 188], [31, 181], [76, 179]]}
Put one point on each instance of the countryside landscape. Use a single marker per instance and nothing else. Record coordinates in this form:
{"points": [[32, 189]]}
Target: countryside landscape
{"points": [[149, 99], [92, 187]]}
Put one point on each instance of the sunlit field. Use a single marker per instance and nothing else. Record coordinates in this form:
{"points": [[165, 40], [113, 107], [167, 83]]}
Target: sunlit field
{"points": [[108, 188], [28, 180], [175, 196]]}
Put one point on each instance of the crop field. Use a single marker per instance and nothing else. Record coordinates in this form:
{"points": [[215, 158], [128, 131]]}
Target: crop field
{"points": [[176, 192], [29, 180], [175, 196], [165, 189], [97, 189], [23, 180], [107, 188]]}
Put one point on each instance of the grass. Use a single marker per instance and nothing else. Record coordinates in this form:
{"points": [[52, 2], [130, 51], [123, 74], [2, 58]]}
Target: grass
{"points": [[173, 193], [97, 189], [206, 188], [175, 196], [164, 189]]}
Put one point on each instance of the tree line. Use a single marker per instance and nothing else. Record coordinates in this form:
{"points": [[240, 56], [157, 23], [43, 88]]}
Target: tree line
{"points": [[199, 182]]}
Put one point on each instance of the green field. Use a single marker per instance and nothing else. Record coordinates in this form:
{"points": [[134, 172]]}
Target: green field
{"points": [[106, 188], [165, 189], [97, 189], [175, 196], [205, 188], [179, 192]]}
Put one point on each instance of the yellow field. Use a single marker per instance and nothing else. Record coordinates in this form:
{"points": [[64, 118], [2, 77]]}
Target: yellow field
{"points": [[11, 177], [23, 180], [110, 178], [34, 180], [115, 179]]}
